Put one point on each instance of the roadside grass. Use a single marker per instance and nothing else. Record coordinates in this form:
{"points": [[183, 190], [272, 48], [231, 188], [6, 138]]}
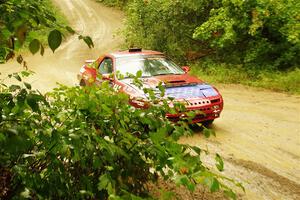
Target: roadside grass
{"points": [[213, 72], [114, 3]]}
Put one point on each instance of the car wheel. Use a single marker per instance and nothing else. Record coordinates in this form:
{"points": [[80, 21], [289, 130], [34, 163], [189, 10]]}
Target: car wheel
{"points": [[82, 83], [208, 123]]}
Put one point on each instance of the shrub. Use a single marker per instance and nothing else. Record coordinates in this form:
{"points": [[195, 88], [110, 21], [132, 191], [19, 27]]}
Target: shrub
{"points": [[89, 143], [166, 26], [220, 72], [115, 3], [257, 34]]}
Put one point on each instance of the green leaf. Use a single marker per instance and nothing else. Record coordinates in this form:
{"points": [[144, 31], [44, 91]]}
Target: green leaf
{"points": [[161, 89], [70, 30], [21, 97], [196, 149], [105, 183], [54, 39], [208, 132], [42, 50], [212, 183], [25, 194], [219, 162], [184, 180], [2, 84], [32, 101], [215, 186], [16, 76], [19, 59], [240, 186], [115, 197], [2, 137], [230, 194], [13, 88], [34, 46], [139, 74], [50, 17], [106, 108], [26, 73], [96, 162], [88, 40], [27, 85]]}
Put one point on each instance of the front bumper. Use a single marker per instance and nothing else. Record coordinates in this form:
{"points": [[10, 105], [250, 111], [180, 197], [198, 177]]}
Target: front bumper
{"points": [[207, 109]]}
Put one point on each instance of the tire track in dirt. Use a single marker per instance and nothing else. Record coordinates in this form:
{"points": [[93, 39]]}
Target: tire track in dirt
{"points": [[285, 184], [258, 134]]}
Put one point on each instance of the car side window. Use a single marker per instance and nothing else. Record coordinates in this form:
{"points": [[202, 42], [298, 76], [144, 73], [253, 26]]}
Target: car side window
{"points": [[106, 66]]}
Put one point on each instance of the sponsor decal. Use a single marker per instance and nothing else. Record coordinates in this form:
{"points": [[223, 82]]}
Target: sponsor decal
{"points": [[193, 91]]}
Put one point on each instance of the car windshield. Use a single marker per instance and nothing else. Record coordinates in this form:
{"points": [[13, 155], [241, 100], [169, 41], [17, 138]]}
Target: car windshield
{"points": [[149, 65]]}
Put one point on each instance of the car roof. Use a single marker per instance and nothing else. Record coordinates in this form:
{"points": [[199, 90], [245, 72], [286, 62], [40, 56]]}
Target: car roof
{"points": [[127, 53]]}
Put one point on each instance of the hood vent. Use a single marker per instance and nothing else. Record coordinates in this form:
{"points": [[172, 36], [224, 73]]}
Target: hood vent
{"points": [[177, 81]]}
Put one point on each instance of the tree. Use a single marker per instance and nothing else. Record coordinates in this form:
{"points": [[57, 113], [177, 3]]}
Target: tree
{"points": [[254, 33], [258, 32]]}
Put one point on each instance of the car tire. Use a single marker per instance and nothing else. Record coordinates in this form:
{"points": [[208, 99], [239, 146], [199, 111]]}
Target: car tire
{"points": [[208, 123], [82, 83]]}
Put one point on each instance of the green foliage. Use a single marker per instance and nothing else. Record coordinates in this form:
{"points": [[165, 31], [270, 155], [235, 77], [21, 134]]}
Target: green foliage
{"points": [[220, 163], [257, 31], [87, 39], [219, 72], [115, 3], [24, 22], [166, 26], [41, 32], [54, 39], [34, 46], [280, 81], [256, 34], [90, 143]]}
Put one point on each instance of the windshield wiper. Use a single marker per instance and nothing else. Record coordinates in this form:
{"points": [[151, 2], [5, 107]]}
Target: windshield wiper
{"points": [[162, 74]]}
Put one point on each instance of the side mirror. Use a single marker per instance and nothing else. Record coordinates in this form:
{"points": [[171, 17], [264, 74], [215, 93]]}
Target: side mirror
{"points": [[186, 69]]}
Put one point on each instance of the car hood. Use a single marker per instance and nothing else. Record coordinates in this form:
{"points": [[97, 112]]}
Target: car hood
{"points": [[176, 86]]}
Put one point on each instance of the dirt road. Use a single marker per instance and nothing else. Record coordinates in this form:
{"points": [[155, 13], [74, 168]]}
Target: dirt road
{"points": [[258, 133], [87, 17]]}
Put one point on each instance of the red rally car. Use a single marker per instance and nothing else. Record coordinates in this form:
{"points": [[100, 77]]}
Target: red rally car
{"points": [[156, 69]]}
